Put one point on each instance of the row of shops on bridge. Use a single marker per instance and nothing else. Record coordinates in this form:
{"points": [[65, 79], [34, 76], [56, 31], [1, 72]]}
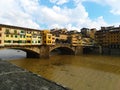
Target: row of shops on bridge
{"points": [[14, 35]]}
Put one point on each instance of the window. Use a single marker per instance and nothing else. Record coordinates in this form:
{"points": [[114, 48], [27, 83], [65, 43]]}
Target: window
{"points": [[39, 42], [39, 37], [49, 41], [0, 34], [49, 37], [29, 32], [7, 31], [34, 36], [15, 31], [7, 41], [0, 42], [11, 35], [24, 36], [22, 31], [20, 41], [0, 28], [7, 35], [20, 36], [15, 36], [28, 41], [15, 41]]}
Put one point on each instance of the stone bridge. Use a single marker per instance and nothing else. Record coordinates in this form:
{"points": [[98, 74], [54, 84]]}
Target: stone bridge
{"points": [[43, 51]]}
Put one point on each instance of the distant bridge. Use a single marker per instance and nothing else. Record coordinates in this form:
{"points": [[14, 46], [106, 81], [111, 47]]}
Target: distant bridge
{"points": [[43, 51]]}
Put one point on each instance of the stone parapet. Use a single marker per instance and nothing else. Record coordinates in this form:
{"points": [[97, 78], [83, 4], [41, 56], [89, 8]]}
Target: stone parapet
{"points": [[15, 78]]}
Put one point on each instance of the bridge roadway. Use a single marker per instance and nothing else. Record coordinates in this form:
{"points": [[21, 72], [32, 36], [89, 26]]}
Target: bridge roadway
{"points": [[15, 78], [43, 51]]}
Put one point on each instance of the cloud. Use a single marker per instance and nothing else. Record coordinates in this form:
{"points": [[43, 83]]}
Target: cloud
{"points": [[51, 15], [14, 14], [115, 6], [32, 14], [97, 23], [75, 18], [59, 2]]}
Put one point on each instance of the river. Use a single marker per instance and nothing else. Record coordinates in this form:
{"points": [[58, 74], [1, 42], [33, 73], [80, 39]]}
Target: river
{"points": [[85, 72]]}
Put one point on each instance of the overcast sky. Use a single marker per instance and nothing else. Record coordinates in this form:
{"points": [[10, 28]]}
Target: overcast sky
{"points": [[70, 14]]}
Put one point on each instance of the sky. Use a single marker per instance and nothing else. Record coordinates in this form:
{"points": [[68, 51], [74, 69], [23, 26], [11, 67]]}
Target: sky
{"points": [[70, 14]]}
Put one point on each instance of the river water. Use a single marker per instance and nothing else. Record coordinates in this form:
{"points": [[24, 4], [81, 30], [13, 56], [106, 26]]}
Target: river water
{"points": [[85, 72]]}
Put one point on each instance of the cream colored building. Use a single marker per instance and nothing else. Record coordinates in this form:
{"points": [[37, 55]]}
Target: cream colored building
{"points": [[36, 38], [63, 37], [75, 39], [53, 40], [22, 37]]}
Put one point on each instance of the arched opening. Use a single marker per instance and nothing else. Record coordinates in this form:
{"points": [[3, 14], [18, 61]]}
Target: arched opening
{"points": [[15, 53], [62, 51], [31, 54]]}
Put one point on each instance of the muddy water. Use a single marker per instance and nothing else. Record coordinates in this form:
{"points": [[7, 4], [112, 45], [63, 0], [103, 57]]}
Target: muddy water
{"points": [[87, 72]]}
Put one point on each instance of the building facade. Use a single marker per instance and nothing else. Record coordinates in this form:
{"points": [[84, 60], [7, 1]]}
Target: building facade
{"points": [[36, 37], [92, 33], [13, 35], [108, 37], [47, 37], [1, 37]]}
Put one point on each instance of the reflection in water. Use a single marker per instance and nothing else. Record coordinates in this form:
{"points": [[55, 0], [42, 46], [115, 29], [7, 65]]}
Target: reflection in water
{"points": [[8, 54], [87, 72]]}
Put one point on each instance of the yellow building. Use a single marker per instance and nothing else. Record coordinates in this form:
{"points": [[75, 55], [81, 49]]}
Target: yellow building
{"points": [[46, 37], [28, 37], [92, 33], [1, 37], [14, 35], [11, 36]]}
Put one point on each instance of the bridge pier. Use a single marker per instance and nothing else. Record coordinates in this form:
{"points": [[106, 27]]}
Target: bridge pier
{"points": [[100, 50], [44, 51], [78, 50]]}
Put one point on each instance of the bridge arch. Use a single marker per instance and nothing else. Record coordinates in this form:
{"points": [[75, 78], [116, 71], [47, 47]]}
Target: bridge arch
{"points": [[29, 52], [63, 50]]}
